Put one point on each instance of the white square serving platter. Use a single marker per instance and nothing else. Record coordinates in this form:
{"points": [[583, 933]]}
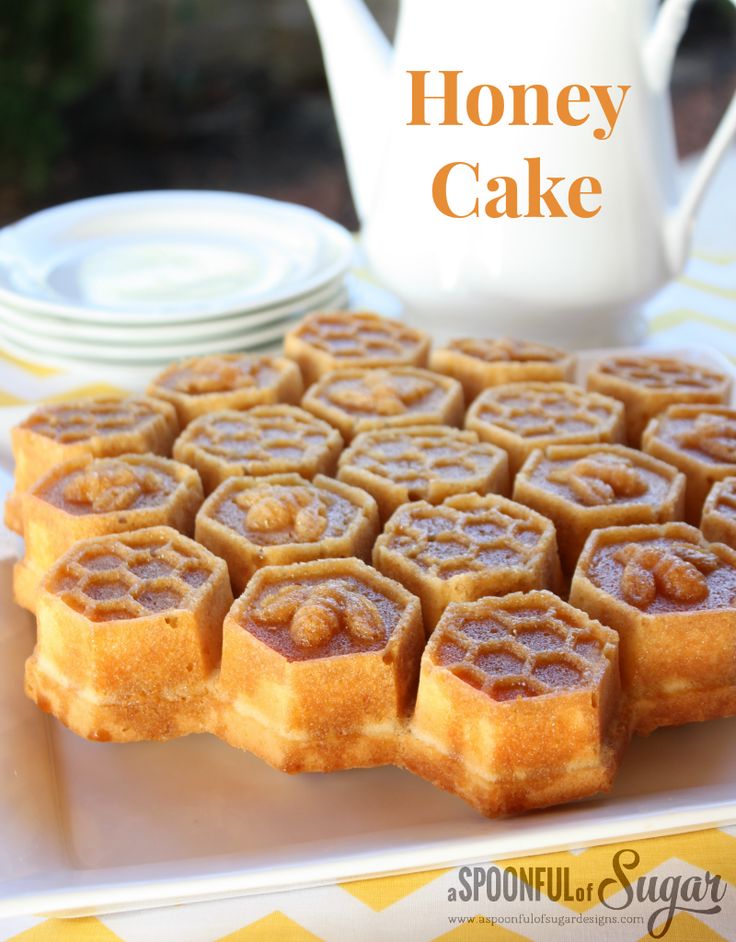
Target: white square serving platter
{"points": [[97, 827]]}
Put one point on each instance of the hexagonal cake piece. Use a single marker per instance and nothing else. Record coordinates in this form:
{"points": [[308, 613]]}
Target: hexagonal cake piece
{"points": [[647, 385], [584, 487], [520, 417], [466, 548], [518, 704], [361, 400], [424, 462], [336, 340], [281, 519], [479, 363], [97, 427], [129, 635], [718, 522], [274, 439], [227, 381], [98, 496], [671, 596], [701, 442], [319, 666]]}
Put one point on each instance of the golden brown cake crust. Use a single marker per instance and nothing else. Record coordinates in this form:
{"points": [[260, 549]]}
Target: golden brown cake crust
{"points": [[582, 488], [648, 384], [277, 439], [227, 381], [670, 595], [518, 704], [520, 417], [479, 363], [319, 666], [466, 548], [129, 636], [357, 401], [99, 427], [428, 462], [90, 497], [698, 440], [281, 519], [336, 340]]}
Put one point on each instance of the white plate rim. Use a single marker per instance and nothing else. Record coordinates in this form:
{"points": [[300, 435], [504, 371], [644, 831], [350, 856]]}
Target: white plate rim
{"points": [[332, 231]]}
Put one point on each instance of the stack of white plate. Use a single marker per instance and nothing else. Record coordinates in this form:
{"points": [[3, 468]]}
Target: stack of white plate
{"points": [[140, 279]]}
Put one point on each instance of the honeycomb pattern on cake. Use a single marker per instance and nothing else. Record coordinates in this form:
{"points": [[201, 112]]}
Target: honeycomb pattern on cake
{"points": [[360, 336], [263, 440], [542, 410], [420, 457], [131, 575], [506, 349], [77, 421], [512, 649], [450, 540], [661, 373]]}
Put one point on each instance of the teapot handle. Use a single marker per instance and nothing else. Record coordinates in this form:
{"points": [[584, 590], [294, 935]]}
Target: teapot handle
{"points": [[659, 56]]}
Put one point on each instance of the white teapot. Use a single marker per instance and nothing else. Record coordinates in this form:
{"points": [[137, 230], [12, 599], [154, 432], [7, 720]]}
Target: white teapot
{"points": [[513, 163]]}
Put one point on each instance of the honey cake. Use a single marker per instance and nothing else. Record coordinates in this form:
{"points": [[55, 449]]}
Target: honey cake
{"points": [[466, 548], [478, 363], [425, 462], [718, 523], [276, 439], [237, 381], [671, 596], [335, 340], [129, 636], [520, 417], [698, 440], [518, 705], [584, 487], [648, 384], [319, 666], [281, 519]]}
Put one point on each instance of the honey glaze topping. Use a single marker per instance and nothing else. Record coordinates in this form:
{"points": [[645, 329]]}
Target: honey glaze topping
{"points": [[602, 479], [275, 514], [714, 436], [322, 618], [665, 575], [521, 652], [662, 373], [506, 349], [110, 485], [131, 575], [213, 374], [415, 457], [382, 393], [538, 410], [71, 422], [359, 335], [448, 542]]}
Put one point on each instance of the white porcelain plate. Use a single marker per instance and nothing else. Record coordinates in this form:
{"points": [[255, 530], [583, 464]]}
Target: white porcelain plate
{"points": [[168, 255], [94, 827]]}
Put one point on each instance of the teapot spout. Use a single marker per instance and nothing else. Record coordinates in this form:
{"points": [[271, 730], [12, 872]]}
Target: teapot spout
{"points": [[357, 60], [664, 39]]}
